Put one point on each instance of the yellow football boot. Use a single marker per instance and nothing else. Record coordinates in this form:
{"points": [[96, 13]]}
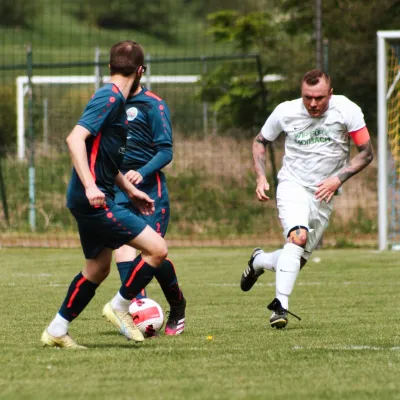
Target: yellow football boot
{"points": [[64, 341], [123, 322]]}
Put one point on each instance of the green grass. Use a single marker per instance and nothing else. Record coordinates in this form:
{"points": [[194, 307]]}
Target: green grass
{"points": [[346, 347]]}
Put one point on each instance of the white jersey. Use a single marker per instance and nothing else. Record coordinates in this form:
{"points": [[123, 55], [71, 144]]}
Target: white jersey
{"points": [[315, 147]]}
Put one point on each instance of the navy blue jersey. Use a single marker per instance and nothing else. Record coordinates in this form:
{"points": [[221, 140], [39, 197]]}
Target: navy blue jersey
{"points": [[105, 118], [149, 141]]}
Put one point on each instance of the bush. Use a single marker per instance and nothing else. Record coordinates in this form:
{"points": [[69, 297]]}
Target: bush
{"points": [[17, 13]]}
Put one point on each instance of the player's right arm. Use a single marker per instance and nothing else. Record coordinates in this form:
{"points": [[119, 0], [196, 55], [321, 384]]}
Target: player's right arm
{"points": [[269, 132], [76, 142], [259, 159]]}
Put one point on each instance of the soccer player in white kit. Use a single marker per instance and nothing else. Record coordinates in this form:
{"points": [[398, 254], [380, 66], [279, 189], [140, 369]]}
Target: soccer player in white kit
{"points": [[318, 128]]}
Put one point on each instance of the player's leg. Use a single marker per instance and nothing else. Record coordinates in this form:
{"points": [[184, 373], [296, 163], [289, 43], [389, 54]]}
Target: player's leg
{"points": [[259, 261], [166, 274], [166, 277], [81, 290], [294, 212], [153, 251], [124, 258]]}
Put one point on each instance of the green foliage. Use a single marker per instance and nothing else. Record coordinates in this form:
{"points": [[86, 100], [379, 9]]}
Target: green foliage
{"points": [[234, 92], [17, 13], [251, 31], [203, 208], [154, 17], [204, 7]]}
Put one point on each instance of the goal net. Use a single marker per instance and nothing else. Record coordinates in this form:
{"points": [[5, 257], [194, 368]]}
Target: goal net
{"points": [[389, 139]]}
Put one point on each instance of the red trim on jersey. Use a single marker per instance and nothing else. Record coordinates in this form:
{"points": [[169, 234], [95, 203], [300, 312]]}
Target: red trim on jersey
{"points": [[360, 137], [158, 184], [151, 94], [93, 154], [75, 292], [135, 271]]}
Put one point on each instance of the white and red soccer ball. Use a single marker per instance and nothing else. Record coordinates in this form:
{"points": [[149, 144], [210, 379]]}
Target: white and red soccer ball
{"points": [[147, 315]]}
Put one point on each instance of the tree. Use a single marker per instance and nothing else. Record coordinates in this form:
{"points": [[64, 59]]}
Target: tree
{"points": [[234, 88], [17, 13], [154, 17]]}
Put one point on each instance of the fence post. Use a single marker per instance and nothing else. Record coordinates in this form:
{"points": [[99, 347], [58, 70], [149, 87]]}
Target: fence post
{"points": [[148, 72], [97, 72], [205, 104], [32, 207], [45, 125], [3, 193]]}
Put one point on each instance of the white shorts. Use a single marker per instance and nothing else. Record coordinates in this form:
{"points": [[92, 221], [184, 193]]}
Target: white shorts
{"points": [[298, 207]]}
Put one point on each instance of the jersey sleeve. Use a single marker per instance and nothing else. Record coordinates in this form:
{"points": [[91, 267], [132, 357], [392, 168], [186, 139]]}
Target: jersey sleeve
{"points": [[354, 117], [273, 127], [160, 123], [103, 104]]}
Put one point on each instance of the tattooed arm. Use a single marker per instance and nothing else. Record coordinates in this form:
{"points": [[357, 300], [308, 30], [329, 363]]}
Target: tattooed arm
{"points": [[259, 158], [358, 163], [327, 187]]}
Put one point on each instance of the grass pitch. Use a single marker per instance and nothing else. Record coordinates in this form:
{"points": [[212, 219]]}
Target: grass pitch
{"points": [[347, 345]]}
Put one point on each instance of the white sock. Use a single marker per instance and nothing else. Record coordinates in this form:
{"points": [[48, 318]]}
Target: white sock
{"points": [[267, 261], [59, 326], [287, 271], [118, 303]]}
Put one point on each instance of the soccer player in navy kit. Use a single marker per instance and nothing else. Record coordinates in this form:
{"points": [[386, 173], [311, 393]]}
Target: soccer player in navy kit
{"points": [[148, 150], [97, 144]]}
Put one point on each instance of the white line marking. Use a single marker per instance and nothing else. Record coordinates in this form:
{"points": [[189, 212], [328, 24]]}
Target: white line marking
{"points": [[344, 283], [351, 347]]}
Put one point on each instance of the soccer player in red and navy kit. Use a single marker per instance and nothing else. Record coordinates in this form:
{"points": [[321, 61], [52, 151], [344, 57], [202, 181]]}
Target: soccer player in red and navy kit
{"points": [[148, 150], [97, 145]]}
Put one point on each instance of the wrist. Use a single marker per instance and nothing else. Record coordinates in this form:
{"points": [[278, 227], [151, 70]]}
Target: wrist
{"points": [[90, 185]]}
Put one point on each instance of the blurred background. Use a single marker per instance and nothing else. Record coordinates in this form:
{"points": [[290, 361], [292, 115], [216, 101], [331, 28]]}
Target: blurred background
{"points": [[222, 67]]}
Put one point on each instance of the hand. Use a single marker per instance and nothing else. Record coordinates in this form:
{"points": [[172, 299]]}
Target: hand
{"points": [[134, 177], [142, 201], [327, 188], [95, 196], [262, 187]]}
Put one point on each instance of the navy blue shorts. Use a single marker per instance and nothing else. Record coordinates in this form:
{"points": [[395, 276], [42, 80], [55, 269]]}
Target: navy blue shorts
{"points": [[155, 186], [111, 226]]}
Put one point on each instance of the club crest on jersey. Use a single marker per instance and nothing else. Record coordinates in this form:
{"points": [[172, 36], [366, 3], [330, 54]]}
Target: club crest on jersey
{"points": [[131, 113]]}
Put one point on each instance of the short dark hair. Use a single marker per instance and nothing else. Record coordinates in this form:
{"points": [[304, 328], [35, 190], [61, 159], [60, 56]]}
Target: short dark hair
{"points": [[126, 57], [313, 77]]}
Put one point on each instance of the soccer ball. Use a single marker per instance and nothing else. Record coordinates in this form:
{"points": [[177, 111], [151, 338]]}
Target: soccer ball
{"points": [[147, 315]]}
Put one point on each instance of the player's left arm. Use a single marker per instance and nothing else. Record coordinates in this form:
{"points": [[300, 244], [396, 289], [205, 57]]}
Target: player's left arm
{"points": [[327, 188], [141, 199], [160, 125]]}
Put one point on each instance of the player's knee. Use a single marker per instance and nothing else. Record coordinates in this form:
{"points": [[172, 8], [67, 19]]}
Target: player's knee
{"points": [[159, 252], [162, 252], [298, 235]]}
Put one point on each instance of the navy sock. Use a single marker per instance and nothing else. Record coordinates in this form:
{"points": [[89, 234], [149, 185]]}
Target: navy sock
{"points": [[124, 268], [79, 294], [166, 277], [139, 276]]}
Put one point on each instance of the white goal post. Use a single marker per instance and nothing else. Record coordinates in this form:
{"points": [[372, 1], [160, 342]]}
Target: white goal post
{"points": [[388, 82], [22, 89]]}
